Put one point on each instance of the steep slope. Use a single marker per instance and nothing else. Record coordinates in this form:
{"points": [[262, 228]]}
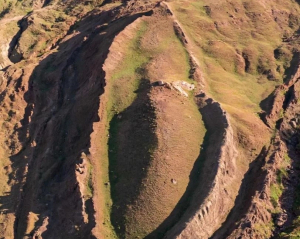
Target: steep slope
{"points": [[149, 119]]}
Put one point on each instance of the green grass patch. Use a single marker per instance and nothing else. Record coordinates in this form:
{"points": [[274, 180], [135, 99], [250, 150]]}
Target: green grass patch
{"points": [[277, 188], [89, 185], [292, 232], [122, 90], [264, 230], [128, 75], [239, 66], [276, 192]]}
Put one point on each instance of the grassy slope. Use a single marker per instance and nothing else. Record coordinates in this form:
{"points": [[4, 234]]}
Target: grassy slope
{"points": [[225, 34], [220, 52], [13, 8], [229, 35], [115, 100], [10, 8], [50, 23], [120, 92], [4, 188]]}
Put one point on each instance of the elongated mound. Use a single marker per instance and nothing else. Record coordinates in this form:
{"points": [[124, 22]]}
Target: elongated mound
{"points": [[146, 134], [149, 119]]}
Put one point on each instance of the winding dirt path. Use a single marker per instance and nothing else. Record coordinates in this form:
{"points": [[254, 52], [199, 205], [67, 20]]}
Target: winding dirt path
{"points": [[19, 17], [8, 20]]}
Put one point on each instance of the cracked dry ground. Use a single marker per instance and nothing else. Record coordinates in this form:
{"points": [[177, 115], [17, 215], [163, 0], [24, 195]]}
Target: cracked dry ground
{"points": [[149, 119]]}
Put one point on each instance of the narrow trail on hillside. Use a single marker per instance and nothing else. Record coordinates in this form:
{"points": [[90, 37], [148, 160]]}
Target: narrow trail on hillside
{"points": [[19, 17], [8, 20], [23, 23]]}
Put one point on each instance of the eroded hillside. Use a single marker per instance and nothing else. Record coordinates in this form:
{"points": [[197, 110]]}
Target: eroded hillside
{"points": [[149, 119]]}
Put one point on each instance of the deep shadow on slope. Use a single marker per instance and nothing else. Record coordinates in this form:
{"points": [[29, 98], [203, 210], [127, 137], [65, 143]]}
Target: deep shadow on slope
{"points": [[269, 102], [291, 71], [250, 184], [132, 141], [62, 105], [13, 55], [202, 176]]}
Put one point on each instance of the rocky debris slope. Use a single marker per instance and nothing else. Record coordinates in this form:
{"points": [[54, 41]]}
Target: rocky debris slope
{"points": [[272, 197], [50, 175]]}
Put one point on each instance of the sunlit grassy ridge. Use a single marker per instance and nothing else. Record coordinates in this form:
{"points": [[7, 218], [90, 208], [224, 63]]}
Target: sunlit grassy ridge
{"points": [[120, 93], [245, 52], [236, 45], [224, 37], [126, 78], [14, 7]]}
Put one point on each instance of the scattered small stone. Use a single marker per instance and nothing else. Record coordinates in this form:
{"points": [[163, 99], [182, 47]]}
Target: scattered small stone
{"points": [[79, 170], [168, 85], [106, 184], [160, 83], [293, 124], [174, 181], [281, 219], [263, 196]]}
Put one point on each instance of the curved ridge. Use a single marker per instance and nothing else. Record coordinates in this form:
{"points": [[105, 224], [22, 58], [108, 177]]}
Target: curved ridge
{"points": [[210, 203]]}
